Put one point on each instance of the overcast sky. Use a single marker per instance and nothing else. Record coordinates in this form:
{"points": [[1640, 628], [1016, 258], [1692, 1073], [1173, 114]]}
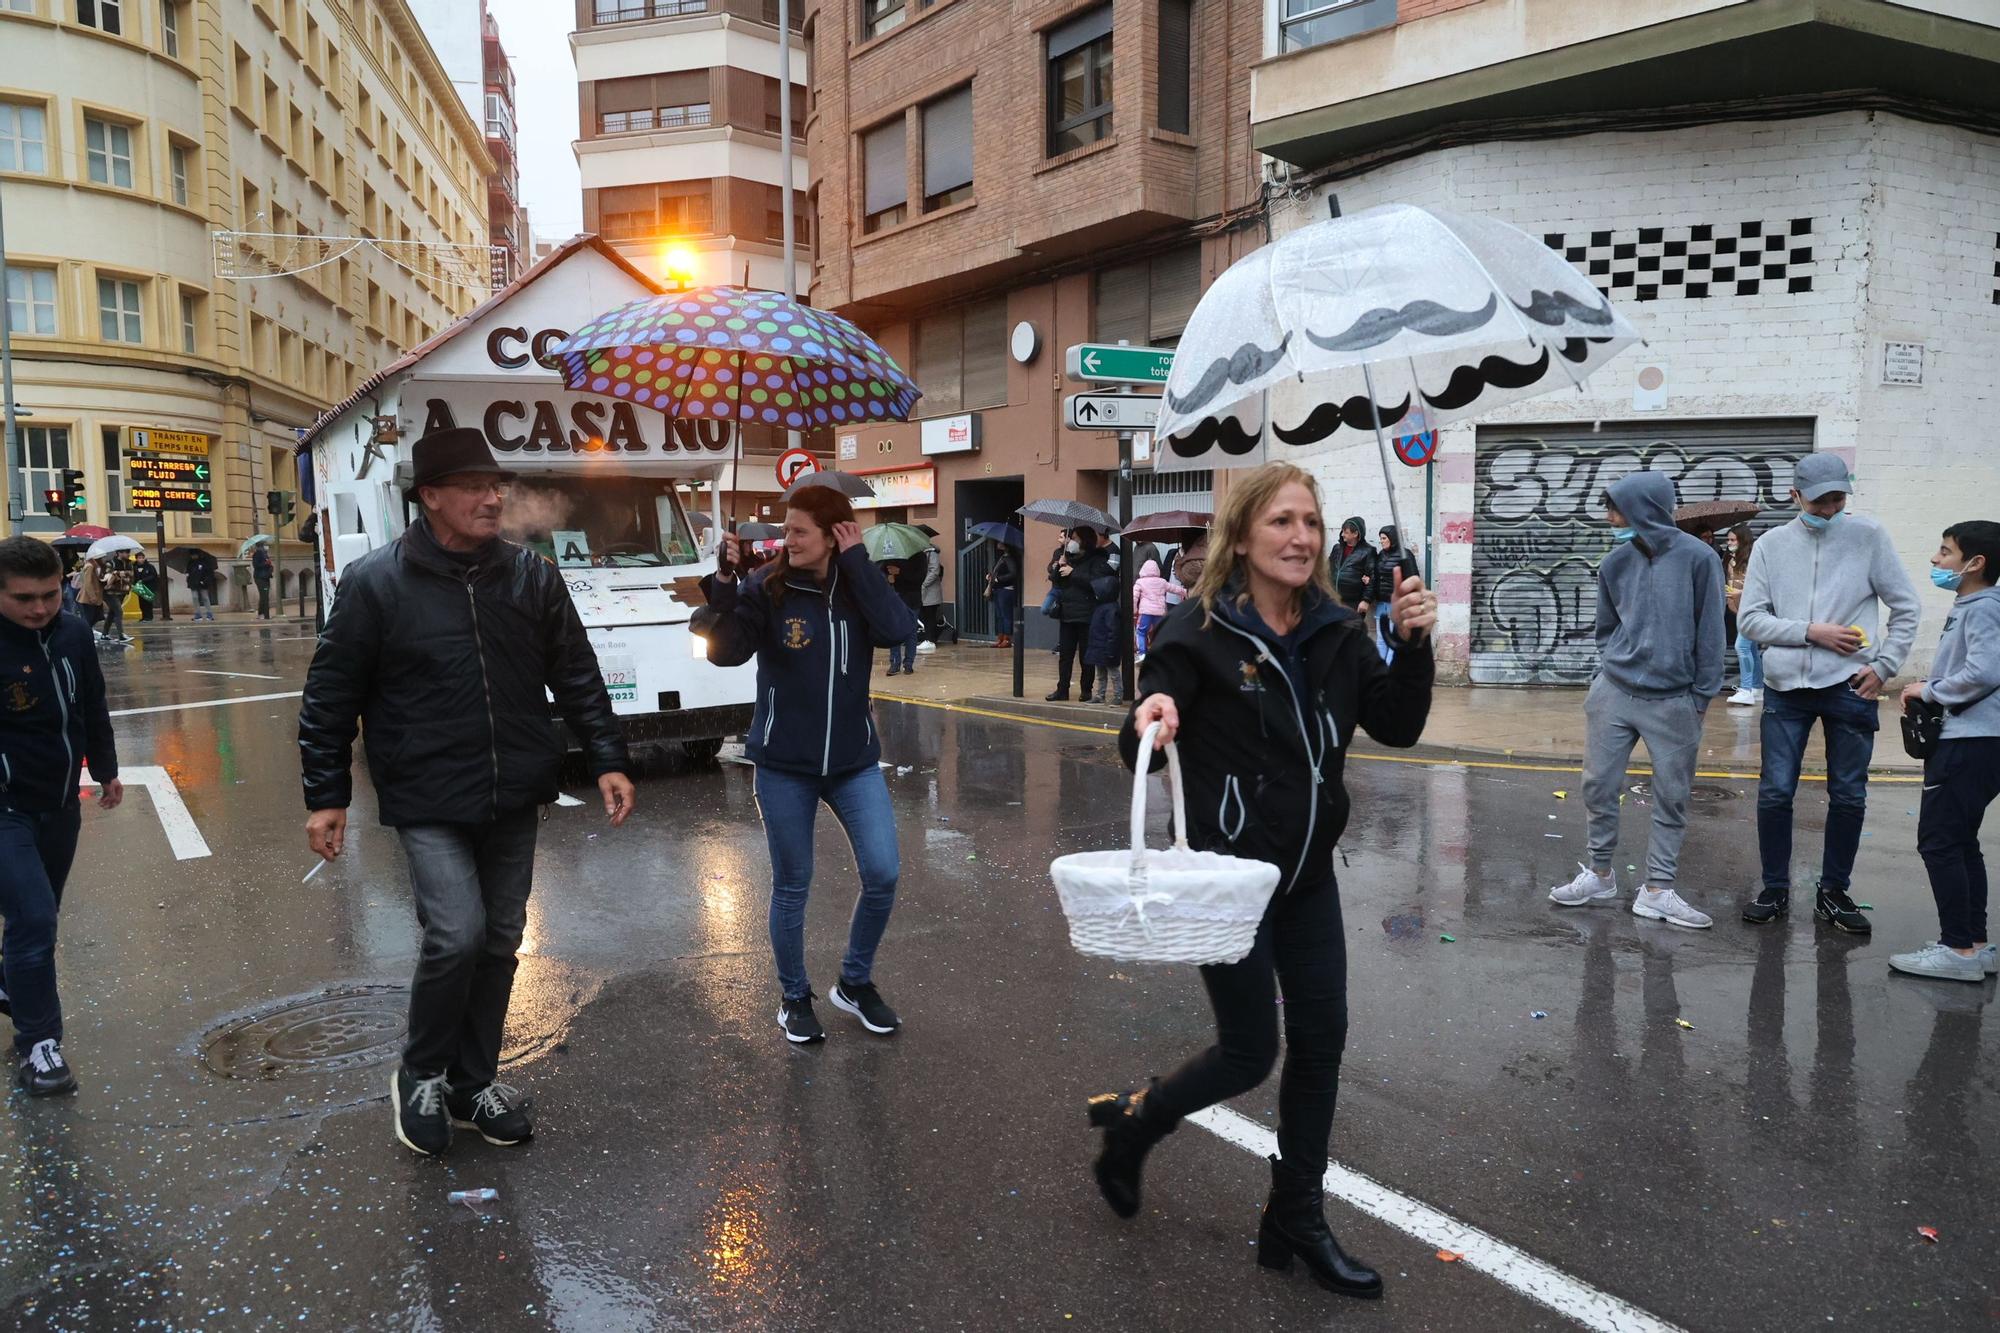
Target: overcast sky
{"points": [[535, 34]]}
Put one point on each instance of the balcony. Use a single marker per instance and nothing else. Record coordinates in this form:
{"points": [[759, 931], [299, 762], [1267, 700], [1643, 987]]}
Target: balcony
{"points": [[1510, 64], [607, 12]]}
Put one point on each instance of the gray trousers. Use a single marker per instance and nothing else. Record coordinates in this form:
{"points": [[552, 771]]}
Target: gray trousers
{"points": [[1671, 729], [471, 885]]}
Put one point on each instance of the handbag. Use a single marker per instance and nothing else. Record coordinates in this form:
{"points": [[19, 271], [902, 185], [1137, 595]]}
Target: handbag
{"points": [[1923, 724], [1171, 906]]}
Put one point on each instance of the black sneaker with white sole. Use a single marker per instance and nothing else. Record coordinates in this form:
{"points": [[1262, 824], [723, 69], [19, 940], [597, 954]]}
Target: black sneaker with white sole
{"points": [[1834, 907], [423, 1124], [861, 999], [1768, 906], [796, 1018], [43, 1072], [497, 1111]]}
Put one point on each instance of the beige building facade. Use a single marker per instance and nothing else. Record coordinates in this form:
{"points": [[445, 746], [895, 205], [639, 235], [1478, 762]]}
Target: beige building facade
{"points": [[130, 135]]}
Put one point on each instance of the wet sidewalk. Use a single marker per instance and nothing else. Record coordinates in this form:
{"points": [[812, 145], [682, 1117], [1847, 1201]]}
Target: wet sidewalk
{"points": [[1472, 722]]}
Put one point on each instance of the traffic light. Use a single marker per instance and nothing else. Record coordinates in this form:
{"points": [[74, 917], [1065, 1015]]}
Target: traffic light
{"points": [[73, 498], [55, 504], [281, 505]]}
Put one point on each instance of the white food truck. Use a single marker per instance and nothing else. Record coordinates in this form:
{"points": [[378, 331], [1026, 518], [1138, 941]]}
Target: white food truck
{"points": [[601, 490]]}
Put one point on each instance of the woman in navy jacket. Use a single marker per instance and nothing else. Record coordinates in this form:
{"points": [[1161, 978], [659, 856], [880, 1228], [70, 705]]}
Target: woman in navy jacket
{"points": [[812, 618]]}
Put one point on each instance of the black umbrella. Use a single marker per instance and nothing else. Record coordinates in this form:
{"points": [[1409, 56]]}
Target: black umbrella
{"points": [[698, 520], [68, 543], [1069, 514], [760, 532], [846, 483], [177, 559]]}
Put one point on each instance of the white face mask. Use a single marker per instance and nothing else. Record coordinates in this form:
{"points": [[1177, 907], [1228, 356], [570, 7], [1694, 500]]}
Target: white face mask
{"points": [[1074, 547]]}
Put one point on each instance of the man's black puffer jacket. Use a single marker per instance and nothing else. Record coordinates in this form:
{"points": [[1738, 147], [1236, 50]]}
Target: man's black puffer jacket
{"points": [[447, 663], [1262, 759]]}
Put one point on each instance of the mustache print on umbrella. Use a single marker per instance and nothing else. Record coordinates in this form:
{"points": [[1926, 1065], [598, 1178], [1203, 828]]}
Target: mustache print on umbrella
{"points": [[1225, 433], [1327, 418], [1247, 364], [1555, 307], [1497, 372], [1427, 317]]}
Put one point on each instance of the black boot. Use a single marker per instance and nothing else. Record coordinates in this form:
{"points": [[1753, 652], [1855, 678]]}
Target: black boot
{"points": [[1129, 1134], [1295, 1224]]}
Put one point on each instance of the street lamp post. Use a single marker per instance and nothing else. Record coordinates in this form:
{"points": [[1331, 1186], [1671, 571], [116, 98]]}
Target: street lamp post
{"points": [[16, 468]]}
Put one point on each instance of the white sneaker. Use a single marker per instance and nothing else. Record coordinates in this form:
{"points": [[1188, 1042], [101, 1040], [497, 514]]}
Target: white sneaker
{"points": [[1668, 906], [1989, 958], [1934, 960], [1588, 887], [1746, 698]]}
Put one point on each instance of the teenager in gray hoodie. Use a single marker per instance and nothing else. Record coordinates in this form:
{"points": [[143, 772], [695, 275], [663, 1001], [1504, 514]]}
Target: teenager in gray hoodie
{"points": [[1660, 644], [1811, 598], [1962, 778]]}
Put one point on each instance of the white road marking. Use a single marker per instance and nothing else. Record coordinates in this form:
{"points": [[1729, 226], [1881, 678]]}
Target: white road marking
{"points": [[207, 703], [1538, 1281], [564, 798], [182, 833], [240, 675]]}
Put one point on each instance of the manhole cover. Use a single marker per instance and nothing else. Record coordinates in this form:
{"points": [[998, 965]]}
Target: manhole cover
{"points": [[1700, 791], [350, 1028]]}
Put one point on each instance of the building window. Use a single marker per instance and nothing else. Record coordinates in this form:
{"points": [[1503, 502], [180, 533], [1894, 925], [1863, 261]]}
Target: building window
{"points": [[961, 359], [108, 148], [118, 318], [632, 11], [1147, 302], [643, 212], [191, 323], [882, 16], [103, 15], [46, 453], [31, 300], [18, 6], [1304, 23], [947, 125], [110, 437], [170, 27], [885, 180], [24, 138], [1080, 82], [177, 168], [1176, 65], [690, 115]]}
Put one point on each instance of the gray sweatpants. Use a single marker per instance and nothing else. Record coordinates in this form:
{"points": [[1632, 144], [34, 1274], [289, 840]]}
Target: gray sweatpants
{"points": [[1671, 729]]}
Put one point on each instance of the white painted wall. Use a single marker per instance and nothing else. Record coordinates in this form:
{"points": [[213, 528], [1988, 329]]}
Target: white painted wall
{"points": [[608, 53], [453, 29], [688, 155]]}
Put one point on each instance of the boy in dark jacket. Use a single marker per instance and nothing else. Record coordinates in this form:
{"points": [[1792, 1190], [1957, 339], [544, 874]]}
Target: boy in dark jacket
{"points": [[1660, 644], [52, 718]]}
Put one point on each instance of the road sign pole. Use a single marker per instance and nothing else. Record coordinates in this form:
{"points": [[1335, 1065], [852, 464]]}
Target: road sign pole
{"points": [[1125, 570], [163, 602]]}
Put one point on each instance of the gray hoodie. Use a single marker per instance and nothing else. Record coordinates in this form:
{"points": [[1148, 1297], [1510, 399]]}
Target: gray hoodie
{"points": [[1798, 576], [1659, 600], [1966, 671]]}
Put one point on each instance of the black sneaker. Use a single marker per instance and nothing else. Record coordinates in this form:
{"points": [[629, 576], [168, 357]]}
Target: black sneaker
{"points": [[1767, 907], [422, 1123], [861, 999], [1059, 697], [796, 1018], [6, 1007], [1838, 910], [43, 1072], [497, 1111]]}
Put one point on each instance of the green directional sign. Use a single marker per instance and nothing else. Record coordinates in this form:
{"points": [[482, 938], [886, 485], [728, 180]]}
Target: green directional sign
{"points": [[1107, 363]]}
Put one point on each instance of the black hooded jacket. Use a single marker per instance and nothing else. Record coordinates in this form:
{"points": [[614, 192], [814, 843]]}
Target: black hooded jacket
{"points": [[1390, 567], [1263, 747], [1354, 571], [1077, 592], [450, 665], [53, 715]]}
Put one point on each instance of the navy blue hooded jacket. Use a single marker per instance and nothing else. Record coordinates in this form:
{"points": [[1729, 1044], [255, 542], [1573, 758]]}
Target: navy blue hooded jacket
{"points": [[1659, 600], [52, 715], [814, 652]]}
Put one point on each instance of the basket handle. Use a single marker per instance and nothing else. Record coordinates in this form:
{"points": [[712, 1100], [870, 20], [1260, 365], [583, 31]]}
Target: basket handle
{"points": [[1139, 775]]}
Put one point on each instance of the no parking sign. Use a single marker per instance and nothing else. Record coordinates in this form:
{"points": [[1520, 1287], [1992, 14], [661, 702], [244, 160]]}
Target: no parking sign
{"points": [[1417, 449], [795, 463]]}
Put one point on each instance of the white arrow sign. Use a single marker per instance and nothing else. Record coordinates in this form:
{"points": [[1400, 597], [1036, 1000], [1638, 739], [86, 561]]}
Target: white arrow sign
{"points": [[1110, 411], [182, 834]]}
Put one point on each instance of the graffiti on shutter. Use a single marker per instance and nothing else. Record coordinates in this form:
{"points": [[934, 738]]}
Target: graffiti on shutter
{"points": [[1539, 530]]}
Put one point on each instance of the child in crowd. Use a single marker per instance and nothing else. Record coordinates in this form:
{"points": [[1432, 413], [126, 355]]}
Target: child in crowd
{"points": [[1150, 593], [1962, 778]]}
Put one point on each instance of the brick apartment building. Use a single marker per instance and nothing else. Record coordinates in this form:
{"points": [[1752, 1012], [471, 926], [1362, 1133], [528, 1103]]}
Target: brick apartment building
{"points": [[994, 184]]}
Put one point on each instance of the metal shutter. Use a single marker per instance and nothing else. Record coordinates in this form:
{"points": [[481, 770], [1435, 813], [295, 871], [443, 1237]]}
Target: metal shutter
{"points": [[941, 364], [1176, 286], [1122, 293], [948, 142], [1079, 32], [625, 95], [1176, 24], [1539, 531], [985, 354], [885, 184]]}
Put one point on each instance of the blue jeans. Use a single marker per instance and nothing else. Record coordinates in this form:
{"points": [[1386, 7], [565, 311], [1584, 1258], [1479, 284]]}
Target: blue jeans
{"points": [[1850, 722], [904, 655], [35, 855], [1749, 663], [1146, 626], [789, 803], [1382, 640], [1003, 611]]}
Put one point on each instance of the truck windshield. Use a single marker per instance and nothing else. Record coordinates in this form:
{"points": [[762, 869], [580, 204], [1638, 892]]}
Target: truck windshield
{"points": [[600, 522]]}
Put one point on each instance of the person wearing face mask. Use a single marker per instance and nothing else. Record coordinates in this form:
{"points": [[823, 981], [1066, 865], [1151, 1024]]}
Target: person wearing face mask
{"points": [[1812, 597], [1262, 677], [1075, 575], [1962, 776], [1659, 646]]}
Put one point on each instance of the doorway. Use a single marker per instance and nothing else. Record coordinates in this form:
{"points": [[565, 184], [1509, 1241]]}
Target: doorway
{"points": [[987, 500]]}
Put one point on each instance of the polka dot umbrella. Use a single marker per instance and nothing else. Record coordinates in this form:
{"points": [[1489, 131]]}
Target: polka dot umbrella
{"points": [[732, 354]]}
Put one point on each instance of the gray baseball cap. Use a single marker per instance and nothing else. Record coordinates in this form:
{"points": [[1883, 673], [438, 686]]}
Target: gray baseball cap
{"points": [[1816, 475]]}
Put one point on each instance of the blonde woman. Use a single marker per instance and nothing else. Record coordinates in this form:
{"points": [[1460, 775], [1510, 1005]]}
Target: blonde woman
{"points": [[1262, 676]]}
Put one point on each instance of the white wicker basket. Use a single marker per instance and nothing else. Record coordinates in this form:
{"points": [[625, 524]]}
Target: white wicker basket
{"points": [[1172, 906]]}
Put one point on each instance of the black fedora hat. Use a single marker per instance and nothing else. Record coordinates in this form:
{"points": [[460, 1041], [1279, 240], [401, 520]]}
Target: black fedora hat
{"points": [[456, 451]]}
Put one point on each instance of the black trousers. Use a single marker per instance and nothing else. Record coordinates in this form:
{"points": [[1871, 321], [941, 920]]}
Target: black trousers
{"points": [[263, 599], [1960, 781], [1075, 633], [1302, 950]]}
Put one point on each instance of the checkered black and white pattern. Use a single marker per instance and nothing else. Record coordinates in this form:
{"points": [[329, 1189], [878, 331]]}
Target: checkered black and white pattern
{"points": [[1698, 262]]}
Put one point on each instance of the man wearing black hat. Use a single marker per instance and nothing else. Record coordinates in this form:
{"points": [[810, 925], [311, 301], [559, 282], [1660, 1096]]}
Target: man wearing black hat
{"points": [[444, 642]]}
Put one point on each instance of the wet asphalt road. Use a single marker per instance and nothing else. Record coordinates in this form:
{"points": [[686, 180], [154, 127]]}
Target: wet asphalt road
{"points": [[1767, 1168]]}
